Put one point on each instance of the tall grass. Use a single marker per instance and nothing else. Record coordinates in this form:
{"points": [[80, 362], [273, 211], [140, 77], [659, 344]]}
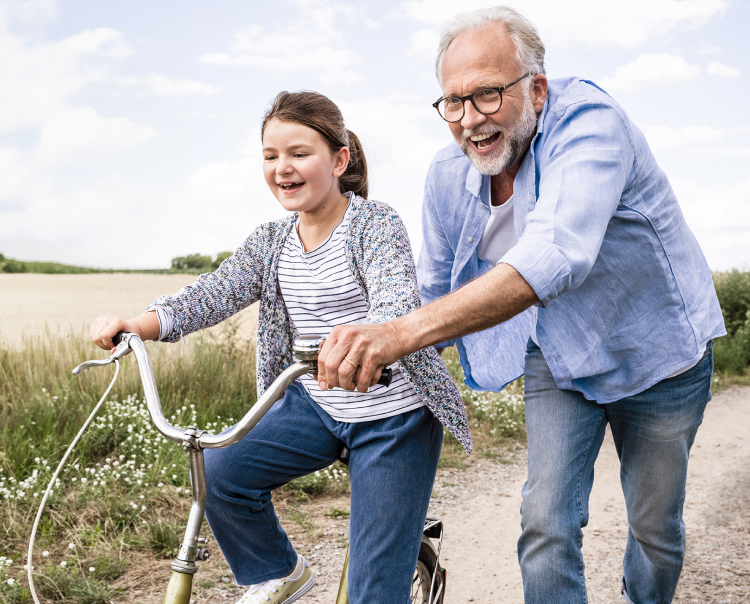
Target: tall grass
{"points": [[124, 478], [42, 405]]}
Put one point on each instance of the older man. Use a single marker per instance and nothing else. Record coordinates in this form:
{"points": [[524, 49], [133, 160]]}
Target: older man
{"points": [[551, 197]]}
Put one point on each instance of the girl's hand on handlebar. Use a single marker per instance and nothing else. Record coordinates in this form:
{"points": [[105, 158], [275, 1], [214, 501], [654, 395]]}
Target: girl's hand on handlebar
{"points": [[107, 327]]}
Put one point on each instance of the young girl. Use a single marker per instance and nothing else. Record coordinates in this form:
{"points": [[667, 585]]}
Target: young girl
{"points": [[337, 259]]}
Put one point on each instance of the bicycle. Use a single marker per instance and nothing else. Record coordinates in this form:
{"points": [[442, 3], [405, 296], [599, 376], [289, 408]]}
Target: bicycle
{"points": [[428, 584]]}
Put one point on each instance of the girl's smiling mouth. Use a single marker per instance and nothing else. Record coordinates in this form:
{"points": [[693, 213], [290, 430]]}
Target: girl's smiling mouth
{"points": [[289, 187]]}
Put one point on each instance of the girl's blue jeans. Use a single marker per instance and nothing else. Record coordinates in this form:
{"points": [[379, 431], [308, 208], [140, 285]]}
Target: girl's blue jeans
{"points": [[392, 468], [653, 432]]}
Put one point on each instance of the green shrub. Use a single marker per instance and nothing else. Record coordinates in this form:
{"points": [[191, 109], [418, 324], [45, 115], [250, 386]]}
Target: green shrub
{"points": [[733, 291], [732, 352], [192, 261], [14, 266]]}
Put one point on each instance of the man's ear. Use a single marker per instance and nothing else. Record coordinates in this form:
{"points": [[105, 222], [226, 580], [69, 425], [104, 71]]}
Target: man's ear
{"points": [[342, 161], [539, 92]]}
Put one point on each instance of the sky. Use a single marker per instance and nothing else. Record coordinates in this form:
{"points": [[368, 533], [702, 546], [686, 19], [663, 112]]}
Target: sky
{"points": [[130, 131]]}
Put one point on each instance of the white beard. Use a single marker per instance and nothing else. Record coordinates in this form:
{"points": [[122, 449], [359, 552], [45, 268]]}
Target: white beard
{"points": [[511, 149]]}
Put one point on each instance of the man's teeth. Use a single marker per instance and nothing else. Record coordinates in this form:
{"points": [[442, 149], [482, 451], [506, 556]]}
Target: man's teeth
{"points": [[480, 137], [481, 140]]}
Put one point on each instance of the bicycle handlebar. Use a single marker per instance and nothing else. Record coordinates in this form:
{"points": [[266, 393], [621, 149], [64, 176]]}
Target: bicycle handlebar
{"points": [[204, 440]]}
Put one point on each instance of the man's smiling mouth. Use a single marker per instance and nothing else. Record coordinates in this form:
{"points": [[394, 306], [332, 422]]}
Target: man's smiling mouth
{"points": [[482, 141]]}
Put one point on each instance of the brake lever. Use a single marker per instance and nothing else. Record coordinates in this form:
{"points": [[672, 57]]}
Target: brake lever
{"points": [[120, 351]]}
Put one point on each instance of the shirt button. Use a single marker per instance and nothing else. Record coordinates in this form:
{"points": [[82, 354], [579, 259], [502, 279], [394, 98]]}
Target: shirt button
{"points": [[470, 239]]}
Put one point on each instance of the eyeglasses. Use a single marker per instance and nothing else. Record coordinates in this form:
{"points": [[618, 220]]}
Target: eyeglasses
{"points": [[485, 100]]}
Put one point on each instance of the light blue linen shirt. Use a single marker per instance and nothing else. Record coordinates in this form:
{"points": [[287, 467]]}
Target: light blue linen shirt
{"points": [[626, 295]]}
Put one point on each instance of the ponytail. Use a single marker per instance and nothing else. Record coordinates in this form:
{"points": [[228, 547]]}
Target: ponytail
{"points": [[355, 177], [320, 113]]}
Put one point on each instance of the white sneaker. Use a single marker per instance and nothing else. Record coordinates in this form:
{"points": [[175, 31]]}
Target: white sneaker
{"points": [[285, 590]]}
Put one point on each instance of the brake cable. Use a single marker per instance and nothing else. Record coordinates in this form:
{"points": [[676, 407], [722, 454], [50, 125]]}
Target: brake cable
{"points": [[29, 567]]}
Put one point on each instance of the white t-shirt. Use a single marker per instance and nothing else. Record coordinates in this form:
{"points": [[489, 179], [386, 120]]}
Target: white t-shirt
{"points": [[499, 234]]}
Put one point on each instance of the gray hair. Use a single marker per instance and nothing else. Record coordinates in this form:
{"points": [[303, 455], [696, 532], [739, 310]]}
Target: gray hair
{"points": [[522, 32]]}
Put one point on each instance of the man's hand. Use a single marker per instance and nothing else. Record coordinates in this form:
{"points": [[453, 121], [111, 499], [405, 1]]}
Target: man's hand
{"points": [[369, 347]]}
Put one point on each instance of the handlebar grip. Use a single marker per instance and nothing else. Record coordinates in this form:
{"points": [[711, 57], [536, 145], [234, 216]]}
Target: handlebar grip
{"points": [[118, 338], [385, 377]]}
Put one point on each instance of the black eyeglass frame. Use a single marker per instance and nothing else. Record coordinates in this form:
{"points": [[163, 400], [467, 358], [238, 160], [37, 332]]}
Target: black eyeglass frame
{"points": [[470, 97]]}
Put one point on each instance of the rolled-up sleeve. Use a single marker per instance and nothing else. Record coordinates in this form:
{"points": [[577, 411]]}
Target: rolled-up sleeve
{"points": [[584, 165]]}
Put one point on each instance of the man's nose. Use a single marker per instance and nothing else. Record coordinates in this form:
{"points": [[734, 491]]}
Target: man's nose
{"points": [[472, 118]]}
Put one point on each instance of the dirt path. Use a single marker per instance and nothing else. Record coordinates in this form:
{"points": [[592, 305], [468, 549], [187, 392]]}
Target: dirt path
{"points": [[479, 506], [481, 532]]}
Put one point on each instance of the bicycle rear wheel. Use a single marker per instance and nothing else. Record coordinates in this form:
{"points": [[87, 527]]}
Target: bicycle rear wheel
{"points": [[420, 586]]}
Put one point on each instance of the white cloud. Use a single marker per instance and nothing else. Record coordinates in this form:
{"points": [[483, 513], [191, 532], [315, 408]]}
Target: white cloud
{"points": [[650, 70], [39, 79], [720, 218], [14, 184], [604, 23], [81, 133], [161, 85], [310, 42], [664, 138], [719, 69]]}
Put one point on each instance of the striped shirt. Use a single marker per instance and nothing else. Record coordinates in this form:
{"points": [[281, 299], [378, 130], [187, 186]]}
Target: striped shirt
{"points": [[320, 292]]}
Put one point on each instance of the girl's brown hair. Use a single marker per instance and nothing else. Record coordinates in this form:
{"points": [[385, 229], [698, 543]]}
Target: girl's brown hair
{"points": [[320, 113]]}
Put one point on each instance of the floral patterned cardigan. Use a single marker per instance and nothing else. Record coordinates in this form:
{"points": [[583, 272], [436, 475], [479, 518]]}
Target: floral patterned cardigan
{"points": [[379, 256]]}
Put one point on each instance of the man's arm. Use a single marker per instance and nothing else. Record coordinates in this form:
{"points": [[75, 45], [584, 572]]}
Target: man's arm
{"points": [[491, 299]]}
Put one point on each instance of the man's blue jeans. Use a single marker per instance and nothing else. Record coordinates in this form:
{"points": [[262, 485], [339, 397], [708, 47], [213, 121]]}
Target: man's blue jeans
{"points": [[653, 432], [392, 468]]}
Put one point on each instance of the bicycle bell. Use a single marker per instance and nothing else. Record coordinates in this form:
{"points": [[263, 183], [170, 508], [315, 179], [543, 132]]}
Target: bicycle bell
{"points": [[306, 348]]}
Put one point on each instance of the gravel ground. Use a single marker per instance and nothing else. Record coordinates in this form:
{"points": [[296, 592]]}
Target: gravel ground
{"points": [[479, 506]]}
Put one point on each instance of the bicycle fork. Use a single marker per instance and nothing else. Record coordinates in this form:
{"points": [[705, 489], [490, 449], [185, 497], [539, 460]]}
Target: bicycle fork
{"points": [[183, 568]]}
